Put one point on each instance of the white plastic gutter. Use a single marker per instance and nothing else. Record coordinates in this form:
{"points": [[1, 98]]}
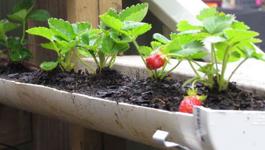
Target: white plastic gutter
{"points": [[170, 12], [206, 129]]}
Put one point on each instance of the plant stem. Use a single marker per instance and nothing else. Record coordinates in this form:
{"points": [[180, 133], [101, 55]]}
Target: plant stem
{"points": [[110, 62], [214, 60], [224, 66], [68, 60], [95, 58], [102, 60], [83, 62], [238, 66], [193, 68], [196, 63], [138, 49], [188, 81], [172, 69], [161, 72], [23, 32]]}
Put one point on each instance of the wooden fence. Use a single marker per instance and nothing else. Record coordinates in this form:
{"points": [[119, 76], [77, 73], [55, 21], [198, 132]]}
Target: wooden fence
{"points": [[45, 133]]}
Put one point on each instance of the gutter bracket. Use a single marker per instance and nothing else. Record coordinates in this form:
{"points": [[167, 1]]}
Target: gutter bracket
{"points": [[160, 137]]}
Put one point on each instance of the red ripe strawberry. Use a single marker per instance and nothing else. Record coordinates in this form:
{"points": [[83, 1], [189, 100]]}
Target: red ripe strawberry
{"points": [[155, 61], [188, 102]]}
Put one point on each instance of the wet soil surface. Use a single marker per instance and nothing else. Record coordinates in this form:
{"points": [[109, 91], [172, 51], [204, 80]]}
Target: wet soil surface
{"points": [[111, 85]]}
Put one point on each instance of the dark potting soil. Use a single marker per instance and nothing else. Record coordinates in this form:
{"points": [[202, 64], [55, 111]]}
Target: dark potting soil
{"points": [[111, 85], [11, 68]]}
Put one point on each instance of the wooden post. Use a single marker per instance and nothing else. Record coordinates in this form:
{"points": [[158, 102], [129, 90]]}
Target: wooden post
{"points": [[83, 10], [15, 126], [57, 135], [57, 8], [85, 139], [111, 142], [104, 5], [49, 133]]}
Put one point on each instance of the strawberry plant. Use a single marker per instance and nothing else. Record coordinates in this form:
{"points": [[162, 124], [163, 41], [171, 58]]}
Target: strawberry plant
{"points": [[126, 26], [15, 47], [102, 47], [227, 40], [178, 47], [64, 39]]}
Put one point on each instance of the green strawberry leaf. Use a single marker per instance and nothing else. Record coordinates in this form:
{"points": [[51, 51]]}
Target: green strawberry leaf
{"points": [[23, 4], [214, 39], [39, 15], [178, 41], [43, 32], [112, 22], [48, 66], [17, 55], [186, 26], [17, 52], [140, 30], [218, 24], [19, 16], [207, 13], [134, 13], [233, 36], [81, 28], [120, 38], [145, 51], [240, 25], [107, 44], [120, 47], [193, 50], [49, 46], [235, 53], [155, 44], [65, 46], [258, 56], [161, 38], [112, 12], [6, 26], [83, 52], [63, 28]]}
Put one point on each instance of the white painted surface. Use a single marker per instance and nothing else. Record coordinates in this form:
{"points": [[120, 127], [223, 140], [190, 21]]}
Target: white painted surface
{"points": [[124, 120], [230, 130], [170, 12]]}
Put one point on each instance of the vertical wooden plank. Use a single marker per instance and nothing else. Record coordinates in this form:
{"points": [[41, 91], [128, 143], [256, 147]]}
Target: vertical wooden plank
{"points": [[104, 5], [50, 134], [57, 8], [77, 137], [93, 140], [112, 142], [15, 126], [83, 10], [85, 139]]}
